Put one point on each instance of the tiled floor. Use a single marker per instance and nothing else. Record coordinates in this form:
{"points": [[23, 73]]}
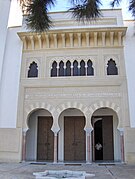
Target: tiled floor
{"points": [[25, 170]]}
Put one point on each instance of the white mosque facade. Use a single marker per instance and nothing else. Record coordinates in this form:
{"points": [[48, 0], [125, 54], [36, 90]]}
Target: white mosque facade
{"points": [[67, 94]]}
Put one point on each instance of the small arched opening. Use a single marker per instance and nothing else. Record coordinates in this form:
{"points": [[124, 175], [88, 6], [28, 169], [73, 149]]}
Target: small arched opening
{"points": [[33, 70], [72, 137], [105, 136], [39, 137]]}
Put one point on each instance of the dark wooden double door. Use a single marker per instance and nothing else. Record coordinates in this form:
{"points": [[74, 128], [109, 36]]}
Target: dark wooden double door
{"points": [[45, 139], [74, 139], [103, 134]]}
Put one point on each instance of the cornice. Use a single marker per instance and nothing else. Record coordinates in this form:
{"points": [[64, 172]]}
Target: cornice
{"points": [[72, 38]]}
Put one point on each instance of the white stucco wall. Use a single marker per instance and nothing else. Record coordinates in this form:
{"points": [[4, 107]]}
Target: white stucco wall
{"points": [[15, 16], [10, 79], [130, 66], [4, 14], [10, 61]]}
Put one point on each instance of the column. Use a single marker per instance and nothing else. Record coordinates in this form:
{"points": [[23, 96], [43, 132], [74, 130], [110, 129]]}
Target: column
{"points": [[89, 146], [87, 39], [63, 40], [55, 40], [71, 39], [122, 145], [119, 38], [103, 39], [55, 147], [79, 39], [32, 43], [39, 41], [95, 39], [24, 145], [111, 38]]}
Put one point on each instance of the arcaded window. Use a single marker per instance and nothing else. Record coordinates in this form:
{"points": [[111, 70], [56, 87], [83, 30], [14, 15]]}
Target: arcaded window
{"points": [[61, 68], [54, 69], [75, 68], [72, 68], [33, 70], [112, 68], [90, 70], [68, 69], [82, 68]]}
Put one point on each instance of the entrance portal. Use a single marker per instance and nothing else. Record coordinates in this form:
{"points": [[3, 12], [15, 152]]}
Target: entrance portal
{"points": [[45, 139], [74, 138], [103, 138]]}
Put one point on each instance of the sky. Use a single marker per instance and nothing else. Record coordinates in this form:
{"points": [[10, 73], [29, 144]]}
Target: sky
{"points": [[15, 14], [63, 5]]}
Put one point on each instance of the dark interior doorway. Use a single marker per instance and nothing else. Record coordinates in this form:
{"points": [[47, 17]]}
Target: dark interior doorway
{"points": [[98, 140], [103, 138]]}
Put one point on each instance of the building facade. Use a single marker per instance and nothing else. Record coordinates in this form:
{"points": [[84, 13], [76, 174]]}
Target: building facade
{"points": [[64, 93]]}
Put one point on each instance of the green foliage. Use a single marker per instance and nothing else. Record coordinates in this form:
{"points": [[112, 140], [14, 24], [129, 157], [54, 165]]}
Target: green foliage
{"points": [[39, 20], [115, 2], [86, 9], [132, 7]]}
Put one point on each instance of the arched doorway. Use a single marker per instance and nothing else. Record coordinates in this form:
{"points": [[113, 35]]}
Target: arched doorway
{"points": [[72, 138], [39, 137], [105, 136]]}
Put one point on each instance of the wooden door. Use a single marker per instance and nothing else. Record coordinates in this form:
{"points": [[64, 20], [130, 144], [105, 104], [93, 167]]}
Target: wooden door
{"points": [[107, 132], [45, 139], [74, 139]]}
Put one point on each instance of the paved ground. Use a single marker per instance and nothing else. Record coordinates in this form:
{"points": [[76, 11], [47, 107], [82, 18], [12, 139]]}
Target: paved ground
{"points": [[25, 170]]}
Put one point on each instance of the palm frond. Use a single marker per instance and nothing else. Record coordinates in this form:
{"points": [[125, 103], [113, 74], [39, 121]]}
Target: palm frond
{"points": [[115, 3], [38, 19], [132, 7], [76, 1], [86, 10]]}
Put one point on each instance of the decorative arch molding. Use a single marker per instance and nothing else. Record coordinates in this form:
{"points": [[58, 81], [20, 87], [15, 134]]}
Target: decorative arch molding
{"points": [[68, 105], [29, 61], [114, 58], [108, 104], [72, 59], [77, 105], [35, 106]]}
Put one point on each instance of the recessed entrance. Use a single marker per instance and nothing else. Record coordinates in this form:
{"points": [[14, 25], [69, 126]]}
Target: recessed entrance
{"points": [[45, 139], [74, 138], [103, 138]]}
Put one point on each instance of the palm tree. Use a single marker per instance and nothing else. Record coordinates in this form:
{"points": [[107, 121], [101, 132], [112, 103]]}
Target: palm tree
{"points": [[39, 20]]}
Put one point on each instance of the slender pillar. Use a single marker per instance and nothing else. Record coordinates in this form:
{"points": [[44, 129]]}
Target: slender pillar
{"points": [[120, 38], [24, 145], [111, 38], [122, 145], [55, 40], [39, 41], [89, 146], [55, 147], [103, 38], [32, 42], [95, 39], [87, 39], [71, 39], [63, 40]]}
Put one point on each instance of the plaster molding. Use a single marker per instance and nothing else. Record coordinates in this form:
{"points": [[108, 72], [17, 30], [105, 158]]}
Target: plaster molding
{"points": [[29, 108], [29, 60], [76, 105], [116, 58], [108, 104]]}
